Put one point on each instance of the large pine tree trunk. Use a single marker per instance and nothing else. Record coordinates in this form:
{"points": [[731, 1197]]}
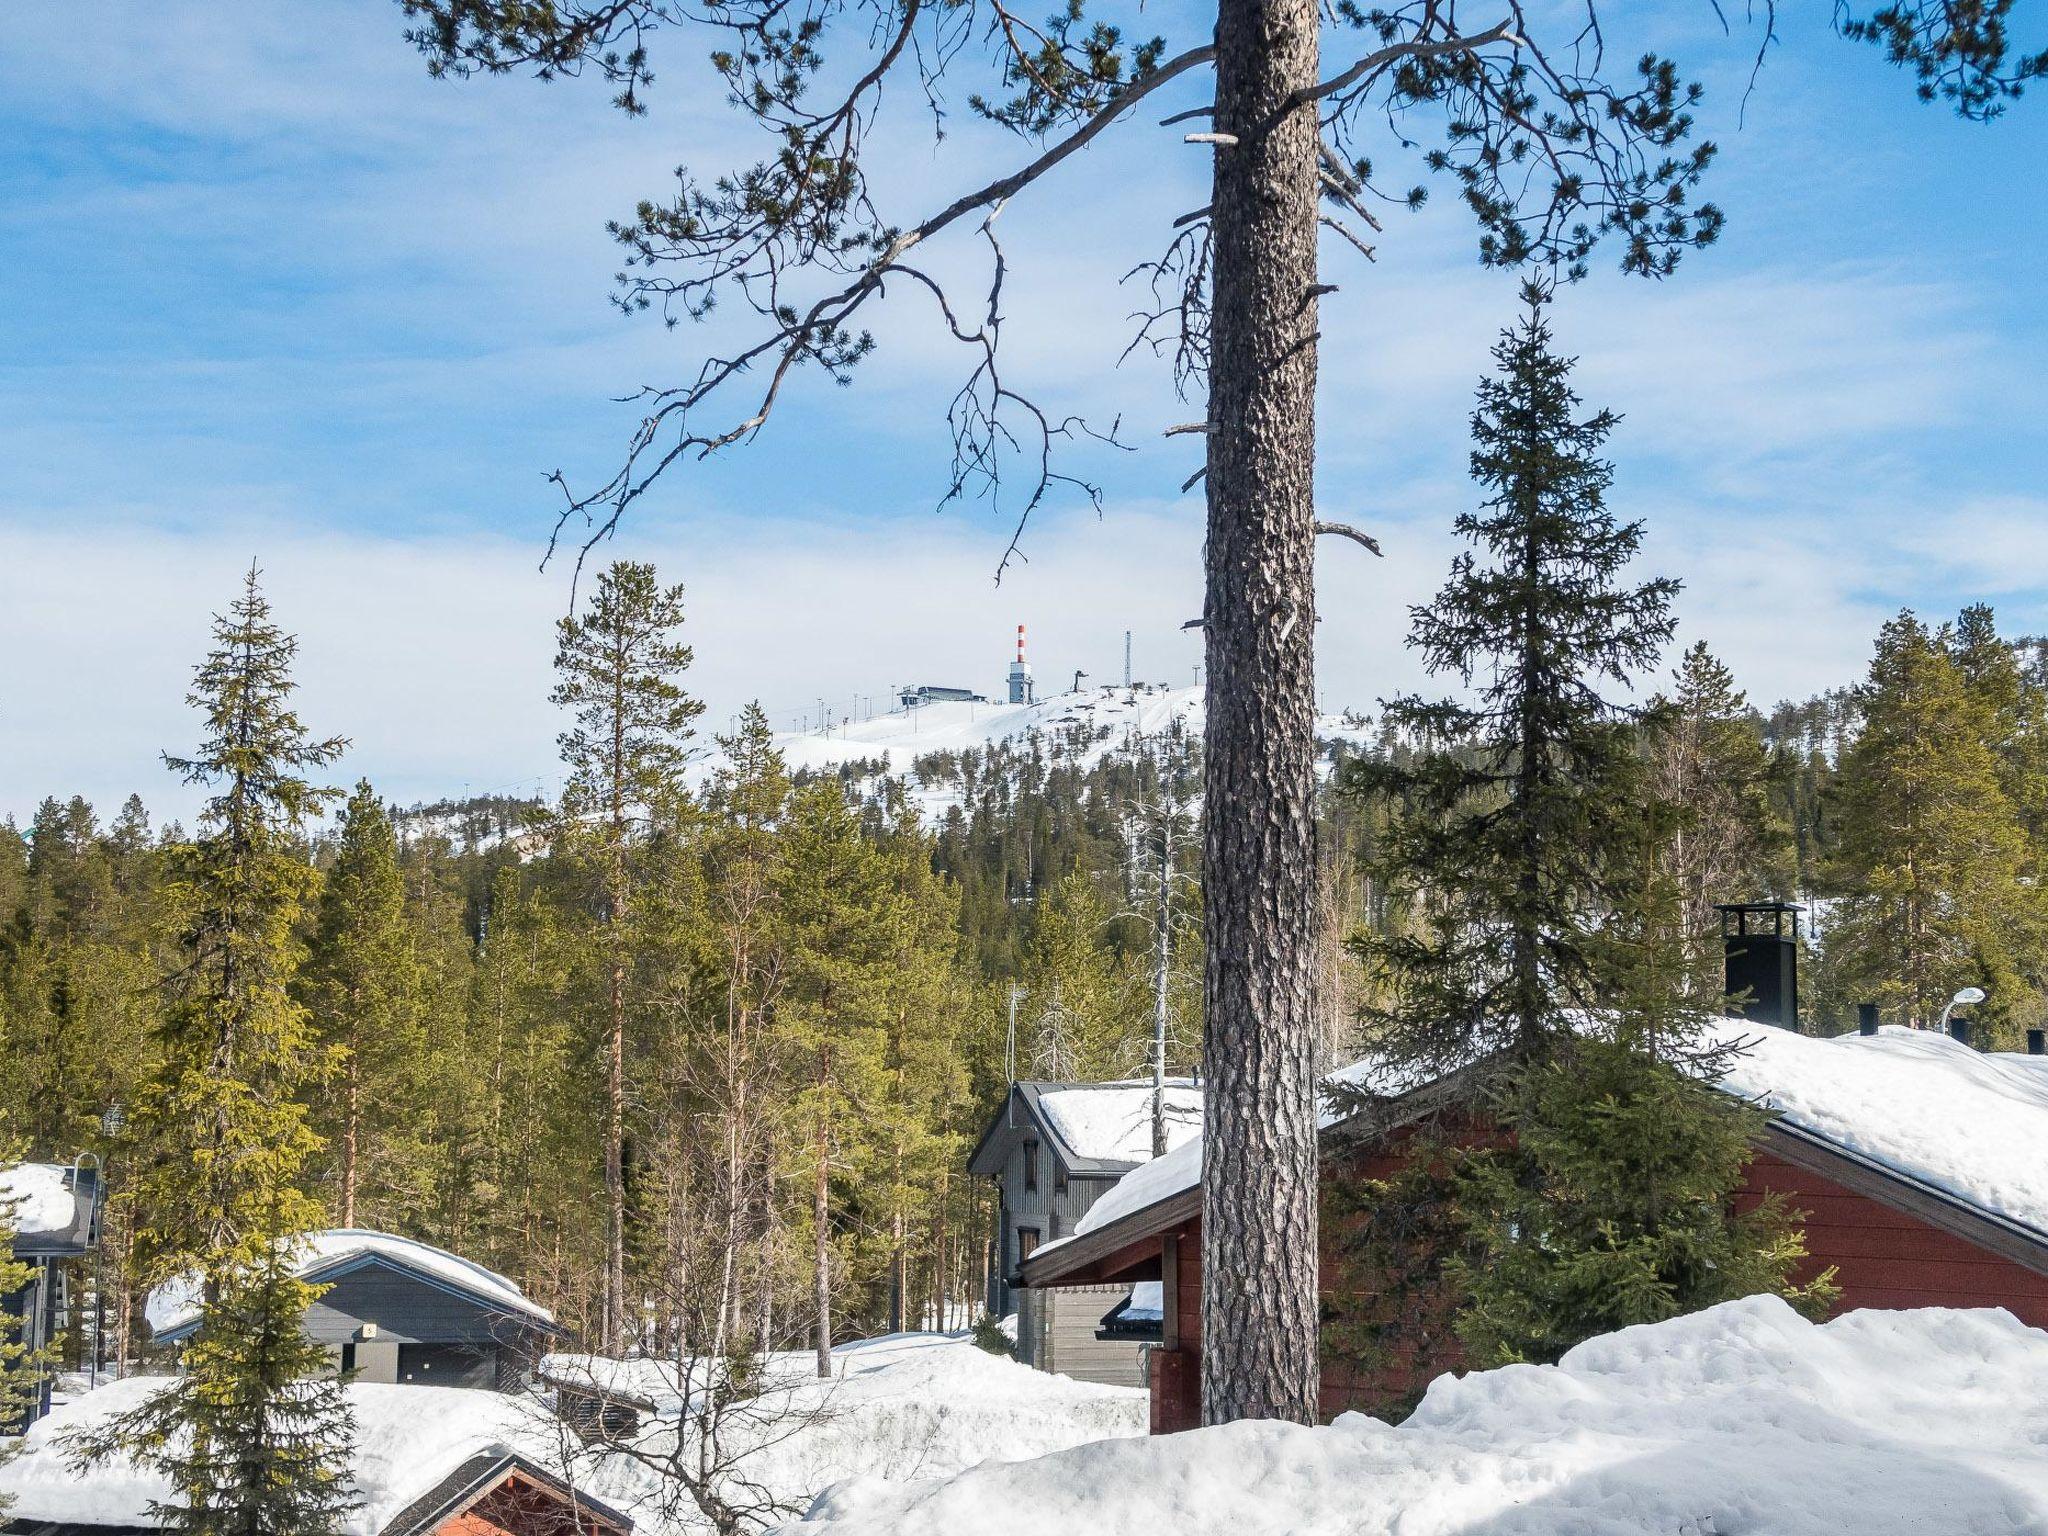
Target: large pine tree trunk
{"points": [[1258, 857]]}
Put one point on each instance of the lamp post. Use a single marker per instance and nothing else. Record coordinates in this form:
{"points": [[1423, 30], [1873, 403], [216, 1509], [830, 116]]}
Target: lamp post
{"points": [[1968, 997]]}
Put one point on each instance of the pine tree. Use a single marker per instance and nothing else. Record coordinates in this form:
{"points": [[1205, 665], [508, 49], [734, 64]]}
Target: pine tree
{"points": [[1728, 839], [362, 986], [836, 903], [1930, 849], [618, 664], [252, 1439], [1505, 833]]}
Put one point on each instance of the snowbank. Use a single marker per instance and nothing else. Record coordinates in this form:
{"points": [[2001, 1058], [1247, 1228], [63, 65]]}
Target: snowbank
{"points": [[407, 1440], [1743, 1419], [40, 1199], [1112, 1122], [175, 1305], [899, 1407], [1971, 1123]]}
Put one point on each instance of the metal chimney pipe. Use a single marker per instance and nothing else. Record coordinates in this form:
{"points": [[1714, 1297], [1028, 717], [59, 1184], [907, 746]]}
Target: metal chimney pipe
{"points": [[1959, 1030], [1866, 1018], [2037, 1042]]}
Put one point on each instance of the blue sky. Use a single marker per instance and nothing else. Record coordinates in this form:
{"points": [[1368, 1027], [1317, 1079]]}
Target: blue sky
{"points": [[268, 291]]}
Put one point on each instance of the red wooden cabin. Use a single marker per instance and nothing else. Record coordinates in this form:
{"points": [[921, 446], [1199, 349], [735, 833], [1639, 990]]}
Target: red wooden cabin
{"points": [[1905, 1216]]}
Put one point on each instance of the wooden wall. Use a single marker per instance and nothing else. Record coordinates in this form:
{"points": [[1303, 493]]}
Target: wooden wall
{"points": [[1884, 1258]]}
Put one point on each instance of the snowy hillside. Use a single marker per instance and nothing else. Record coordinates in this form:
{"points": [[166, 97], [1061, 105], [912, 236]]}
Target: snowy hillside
{"points": [[1742, 1419], [1079, 728]]}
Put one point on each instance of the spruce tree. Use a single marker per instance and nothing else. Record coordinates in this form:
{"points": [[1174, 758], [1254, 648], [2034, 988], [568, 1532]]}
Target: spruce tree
{"points": [[617, 666], [362, 986], [1611, 1199], [1507, 818], [252, 1438], [1551, 936]]}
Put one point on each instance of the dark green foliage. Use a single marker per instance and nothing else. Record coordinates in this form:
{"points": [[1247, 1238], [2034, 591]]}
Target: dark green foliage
{"points": [[1508, 820], [1611, 1206], [988, 1335]]}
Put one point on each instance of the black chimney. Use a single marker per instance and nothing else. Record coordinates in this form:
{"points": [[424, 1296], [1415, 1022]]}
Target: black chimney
{"points": [[1761, 942], [2037, 1042], [1866, 1018], [1959, 1030]]}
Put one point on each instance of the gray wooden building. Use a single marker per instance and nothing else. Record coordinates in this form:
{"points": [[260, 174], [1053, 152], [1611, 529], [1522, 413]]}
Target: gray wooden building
{"points": [[1052, 1151], [396, 1310], [56, 1210]]}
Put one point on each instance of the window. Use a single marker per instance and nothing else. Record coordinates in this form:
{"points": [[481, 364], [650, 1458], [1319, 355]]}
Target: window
{"points": [[1027, 1243], [1030, 1167]]}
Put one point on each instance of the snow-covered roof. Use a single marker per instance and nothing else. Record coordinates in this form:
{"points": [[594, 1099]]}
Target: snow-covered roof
{"points": [[1742, 1418], [407, 1440], [40, 1195], [1112, 1122], [176, 1306], [1147, 1303], [1972, 1124]]}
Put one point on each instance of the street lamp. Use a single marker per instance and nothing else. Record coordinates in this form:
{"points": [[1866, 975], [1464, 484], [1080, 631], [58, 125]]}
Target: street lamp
{"points": [[1968, 997]]}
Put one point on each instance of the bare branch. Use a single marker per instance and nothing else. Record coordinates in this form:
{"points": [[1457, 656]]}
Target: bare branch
{"points": [[1346, 531]]}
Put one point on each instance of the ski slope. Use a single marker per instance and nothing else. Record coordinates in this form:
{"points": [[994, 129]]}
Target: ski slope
{"points": [[1078, 728]]}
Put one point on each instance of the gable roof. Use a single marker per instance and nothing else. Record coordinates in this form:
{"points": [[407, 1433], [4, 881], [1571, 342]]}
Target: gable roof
{"points": [[56, 1207], [1092, 1128], [173, 1309], [481, 1476], [1919, 1120]]}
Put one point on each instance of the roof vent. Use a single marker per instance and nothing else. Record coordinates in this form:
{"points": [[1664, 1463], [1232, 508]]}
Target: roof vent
{"points": [[2037, 1042], [1866, 1018], [1760, 940]]}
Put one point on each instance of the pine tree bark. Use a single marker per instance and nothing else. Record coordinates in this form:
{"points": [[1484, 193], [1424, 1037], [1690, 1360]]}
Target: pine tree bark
{"points": [[1259, 1316]]}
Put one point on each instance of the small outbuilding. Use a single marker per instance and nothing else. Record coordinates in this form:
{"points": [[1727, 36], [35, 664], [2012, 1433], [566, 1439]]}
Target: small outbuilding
{"points": [[398, 1311]]}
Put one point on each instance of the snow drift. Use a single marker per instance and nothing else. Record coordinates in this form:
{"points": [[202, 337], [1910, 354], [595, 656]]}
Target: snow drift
{"points": [[898, 1407], [1744, 1420], [407, 1440]]}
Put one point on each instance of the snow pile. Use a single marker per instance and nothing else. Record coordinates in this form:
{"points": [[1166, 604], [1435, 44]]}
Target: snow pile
{"points": [[1915, 1101], [1112, 1122], [1742, 1419], [407, 1440], [899, 1407], [40, 1197], [175, 1305]]}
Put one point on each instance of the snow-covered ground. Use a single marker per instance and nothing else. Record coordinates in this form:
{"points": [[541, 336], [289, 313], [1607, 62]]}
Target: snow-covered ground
{"points": [[904, 1406], [407, 1440], [1744, 1420]]}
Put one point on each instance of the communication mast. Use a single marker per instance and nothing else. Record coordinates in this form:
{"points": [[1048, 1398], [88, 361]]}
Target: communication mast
{"points": [[1020, 674]]}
